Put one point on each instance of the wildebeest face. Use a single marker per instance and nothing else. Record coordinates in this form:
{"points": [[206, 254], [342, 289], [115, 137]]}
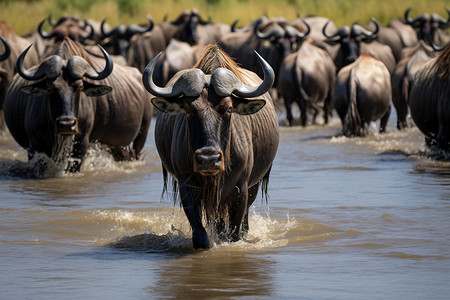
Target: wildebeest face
{"points": [[349, 40], [208, 118], [63, 94]]}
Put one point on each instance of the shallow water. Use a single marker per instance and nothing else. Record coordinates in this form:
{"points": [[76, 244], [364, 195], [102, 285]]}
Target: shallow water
{"points": [[346, 219]]}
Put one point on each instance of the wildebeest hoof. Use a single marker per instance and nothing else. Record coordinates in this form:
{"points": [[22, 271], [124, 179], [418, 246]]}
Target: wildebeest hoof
{"points": [[200, 239]]}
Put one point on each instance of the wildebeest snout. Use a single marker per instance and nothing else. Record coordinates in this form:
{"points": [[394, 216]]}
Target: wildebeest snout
{"points": [[66, 126], [208, 161]]}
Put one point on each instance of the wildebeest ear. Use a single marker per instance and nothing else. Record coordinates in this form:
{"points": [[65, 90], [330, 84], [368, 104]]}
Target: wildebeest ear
{"points": [[167, 106], [369, 40], [94, 90], [247, 107], [38, 88], [332, 42]]}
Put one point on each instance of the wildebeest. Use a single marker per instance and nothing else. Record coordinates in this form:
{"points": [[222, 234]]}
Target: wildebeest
{"points": [[11, 46], [430, 100], [191, 28], [316, 23], [307, 78], [273, 39], [118, 38], [431, 29], [67, 97], [403, 76], [396, 35], [66, 26], [362, 94], [358, 40], [217, 138]]}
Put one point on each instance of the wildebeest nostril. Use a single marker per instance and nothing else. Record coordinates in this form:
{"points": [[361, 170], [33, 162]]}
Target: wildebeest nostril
{"points": [[66, 125], [208, 162]]}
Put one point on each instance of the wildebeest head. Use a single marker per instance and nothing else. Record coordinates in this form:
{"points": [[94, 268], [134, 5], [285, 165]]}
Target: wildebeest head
{"points": [[427, 25], [70, 27], [187, 22], [349, 40], [121, 35], [209, 94], [61, 81], [281, 34]]}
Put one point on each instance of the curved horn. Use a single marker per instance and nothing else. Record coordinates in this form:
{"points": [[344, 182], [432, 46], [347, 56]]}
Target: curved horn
{"points": [[37, 74], [421, 18], [190, 83], [49, 18], [297, 33], [337, 33], [106, 33], [89, 34], [106, 71], [7, 52], [225, 82], [358, 29], [233, 26], [439, 48], [437, 18], [134, 29], [276, 32], [41, 31], [377, 28]]}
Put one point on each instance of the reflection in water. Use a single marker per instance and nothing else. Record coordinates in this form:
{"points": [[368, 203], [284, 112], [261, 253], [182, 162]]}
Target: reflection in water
{"points": [[219, 273]]}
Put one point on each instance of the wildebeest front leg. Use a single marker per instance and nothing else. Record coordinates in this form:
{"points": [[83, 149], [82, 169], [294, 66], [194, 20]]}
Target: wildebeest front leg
{"points": [[78, 152], [237, 212], [199, 235]]}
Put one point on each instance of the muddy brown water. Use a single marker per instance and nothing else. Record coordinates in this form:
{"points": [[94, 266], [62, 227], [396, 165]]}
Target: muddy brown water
{"points": [[360, 218]]}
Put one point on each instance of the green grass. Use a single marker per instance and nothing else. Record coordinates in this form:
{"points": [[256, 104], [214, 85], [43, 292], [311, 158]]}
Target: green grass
{"points": [[24, 15]]}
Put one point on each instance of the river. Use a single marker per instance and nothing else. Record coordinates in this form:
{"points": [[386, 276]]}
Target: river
{"points": [[346, 218]]}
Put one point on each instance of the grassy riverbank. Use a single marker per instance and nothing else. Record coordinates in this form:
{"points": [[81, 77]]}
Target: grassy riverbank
{"points": [[24, 15]]}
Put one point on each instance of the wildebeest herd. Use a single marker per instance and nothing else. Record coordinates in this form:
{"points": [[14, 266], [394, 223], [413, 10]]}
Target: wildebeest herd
{"points": [[83, 81]]}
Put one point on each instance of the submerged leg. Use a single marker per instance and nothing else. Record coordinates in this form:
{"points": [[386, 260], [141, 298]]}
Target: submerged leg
{"points": [[237, 212], [199, 235], [252, 192], [384, 120]]}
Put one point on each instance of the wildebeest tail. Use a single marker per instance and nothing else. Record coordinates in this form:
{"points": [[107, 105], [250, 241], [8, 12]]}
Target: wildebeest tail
{"points": [[352, 125], [265, 185]]}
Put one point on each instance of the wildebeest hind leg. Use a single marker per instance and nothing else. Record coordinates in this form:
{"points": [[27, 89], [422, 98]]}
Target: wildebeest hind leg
{"points": [[252, 192], [384, 120], [139, 141], [237, 213]]}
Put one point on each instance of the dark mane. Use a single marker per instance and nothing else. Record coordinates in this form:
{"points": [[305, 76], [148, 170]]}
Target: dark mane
{"points": [[213, 57], [67, 48]]}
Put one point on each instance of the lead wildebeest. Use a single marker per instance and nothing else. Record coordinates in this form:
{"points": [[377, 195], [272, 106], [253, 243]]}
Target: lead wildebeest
{"points": [[362, 94], [429, 100], [67, 97], [217, 137]]}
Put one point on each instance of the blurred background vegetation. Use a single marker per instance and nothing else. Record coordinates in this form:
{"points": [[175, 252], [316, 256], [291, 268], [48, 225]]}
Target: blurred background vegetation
{"points": [[24, 15]]}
